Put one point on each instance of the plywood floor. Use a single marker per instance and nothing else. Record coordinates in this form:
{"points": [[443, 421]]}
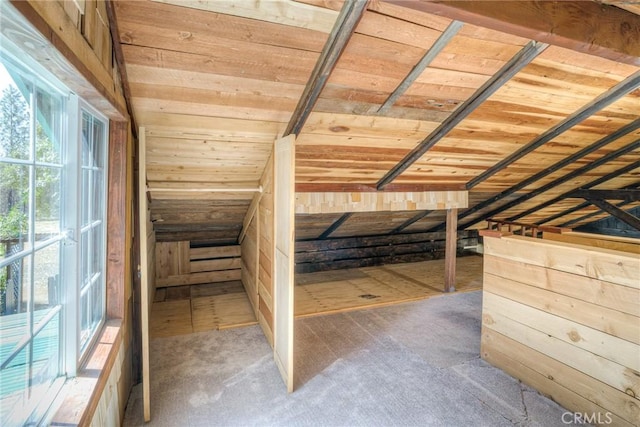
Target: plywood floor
{"points": [[197, 308], [186, 309], [354, 289]]}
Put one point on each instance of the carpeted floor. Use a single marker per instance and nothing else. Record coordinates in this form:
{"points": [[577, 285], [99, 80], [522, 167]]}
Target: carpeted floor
{"points": [[414, 364]]}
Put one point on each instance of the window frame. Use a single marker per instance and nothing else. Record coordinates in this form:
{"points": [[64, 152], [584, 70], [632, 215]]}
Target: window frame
{"points": [[70, 356]]}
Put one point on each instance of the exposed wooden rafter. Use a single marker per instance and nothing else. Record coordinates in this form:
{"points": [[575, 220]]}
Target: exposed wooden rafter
{"points": [[627, 195], [561, 180], [511, 68], [410, 221], [336, 224], [122, 69], [419, 68], [563, 196], [553, 168], [618, 91], [345, 26], [622, 215], [589, 215], [578, 25]]}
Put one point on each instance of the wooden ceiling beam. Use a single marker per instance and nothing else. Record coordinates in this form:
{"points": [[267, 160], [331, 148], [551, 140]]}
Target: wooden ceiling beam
{"points": [[589, 215], [510, 69], [555, 167], [336, 224], [603, 100], [620, 214], [587, 27], [419, 68], [561, 180], [410, 221], [565, 213], [343, 29], [347, 187], [563, 196], [122, 69], [627, 195]]}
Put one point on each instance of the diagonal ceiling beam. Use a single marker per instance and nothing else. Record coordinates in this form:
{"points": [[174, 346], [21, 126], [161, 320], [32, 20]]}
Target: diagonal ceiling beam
{"points": [[582, 26], [589, 215], [563, 196], [410, 221], [553, 184], [577, 208], [417, 70], [511, 68], [345, 26], [590, 195], [336, 224], [623, 216], [553, 168], [603, 100]]}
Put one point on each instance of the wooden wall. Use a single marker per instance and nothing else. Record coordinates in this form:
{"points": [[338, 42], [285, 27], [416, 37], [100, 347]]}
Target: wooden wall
{"points": [[565, 319], [251, 263], [257, 253], [177, 264], [266, 246], [355, 252]]}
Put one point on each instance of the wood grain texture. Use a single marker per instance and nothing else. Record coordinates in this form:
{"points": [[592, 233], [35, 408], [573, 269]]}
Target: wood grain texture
{"points": [[561, 328], [382, 201], [586, 26]]}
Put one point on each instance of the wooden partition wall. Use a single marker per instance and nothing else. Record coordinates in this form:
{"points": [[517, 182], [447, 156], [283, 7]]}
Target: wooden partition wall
{"points": [[565, 319], [178, 264]]}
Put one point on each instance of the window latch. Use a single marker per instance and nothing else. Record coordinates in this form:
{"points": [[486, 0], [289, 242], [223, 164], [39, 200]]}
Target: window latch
{"points": [[69, 237]]}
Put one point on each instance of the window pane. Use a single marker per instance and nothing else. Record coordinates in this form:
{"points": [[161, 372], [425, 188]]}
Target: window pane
{"points": [[86, 196], [48, 127], [46, 355], [14, 208], [97, 148], [85, 257], [96, 250], [15, 120], [48, 194], [47, 277], [14, 386], [98, 196], [15, 285], [87, 136], [85, 316], [97, 301]]}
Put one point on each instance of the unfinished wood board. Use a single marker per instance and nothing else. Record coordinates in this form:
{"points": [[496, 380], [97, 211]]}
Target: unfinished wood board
{"points": [[354, 289], [283, 261], [211, 306], [222, 312], [170, 318], [563, 384], [314, 203], [598, 241]]}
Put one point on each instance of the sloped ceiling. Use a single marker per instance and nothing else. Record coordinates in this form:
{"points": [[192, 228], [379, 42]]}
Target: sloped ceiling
{"points": [[216, 82]]}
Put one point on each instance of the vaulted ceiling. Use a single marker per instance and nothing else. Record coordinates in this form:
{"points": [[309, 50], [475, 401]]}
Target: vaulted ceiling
{"points": [[425, 95]]}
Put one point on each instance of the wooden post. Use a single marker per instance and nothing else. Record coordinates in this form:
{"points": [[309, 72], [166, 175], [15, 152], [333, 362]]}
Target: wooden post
{"points": [[450, 250]]}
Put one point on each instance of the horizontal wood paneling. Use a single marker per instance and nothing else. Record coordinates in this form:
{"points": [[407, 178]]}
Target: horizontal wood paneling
{"points": [[566, 325]]}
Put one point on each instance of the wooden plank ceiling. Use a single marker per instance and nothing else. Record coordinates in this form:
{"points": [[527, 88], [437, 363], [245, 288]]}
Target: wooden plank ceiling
{"points": [[216, 82]]}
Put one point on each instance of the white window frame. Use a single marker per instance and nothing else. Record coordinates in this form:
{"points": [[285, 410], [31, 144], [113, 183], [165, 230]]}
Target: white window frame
{"points": [[71, 356]]}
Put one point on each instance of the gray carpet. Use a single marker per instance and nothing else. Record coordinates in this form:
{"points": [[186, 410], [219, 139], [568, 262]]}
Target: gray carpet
{"points": [[414, 364]]}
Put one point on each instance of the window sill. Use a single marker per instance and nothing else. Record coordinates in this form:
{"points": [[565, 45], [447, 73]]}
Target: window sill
{"points": [[80, 395]]}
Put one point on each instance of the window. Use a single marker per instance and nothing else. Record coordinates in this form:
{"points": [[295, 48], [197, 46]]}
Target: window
{"points": [[52, 236]]}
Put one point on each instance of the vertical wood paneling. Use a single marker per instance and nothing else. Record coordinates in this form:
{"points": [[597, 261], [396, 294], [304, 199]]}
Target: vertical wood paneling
{"points": [[283, 265]]}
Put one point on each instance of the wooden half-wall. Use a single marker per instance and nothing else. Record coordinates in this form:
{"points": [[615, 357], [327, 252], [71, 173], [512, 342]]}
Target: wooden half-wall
{"points": [[257, 253], [565, 319]]}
